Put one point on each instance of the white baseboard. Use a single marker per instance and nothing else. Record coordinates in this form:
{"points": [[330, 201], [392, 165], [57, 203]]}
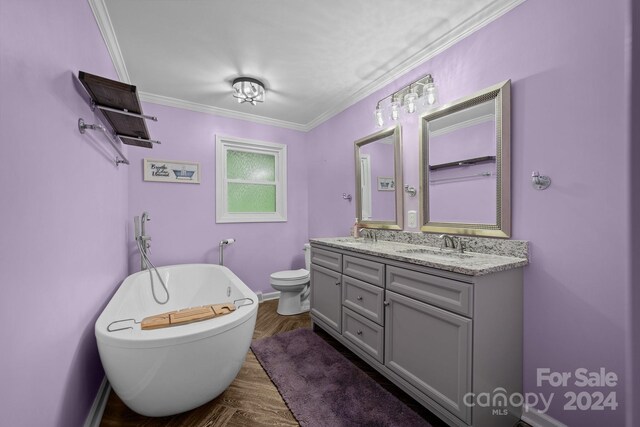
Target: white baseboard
{"points": [[269, 295], [536, 418], [99, 404]]}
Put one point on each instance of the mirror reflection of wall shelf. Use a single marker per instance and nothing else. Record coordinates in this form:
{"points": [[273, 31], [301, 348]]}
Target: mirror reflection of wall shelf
{"points": [[465, 162], [379, 189], [465, 165]]}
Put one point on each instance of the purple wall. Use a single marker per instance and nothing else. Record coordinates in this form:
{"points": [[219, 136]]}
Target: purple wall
{"points": [[183, 225], [634, 158], [63, 218], [577, 284], [470, 200]]}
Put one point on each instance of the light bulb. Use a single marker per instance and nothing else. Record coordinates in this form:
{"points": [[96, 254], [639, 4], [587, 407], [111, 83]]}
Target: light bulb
{"points": [[379, 117], [430, 93], [410, 101], [395, 110]]}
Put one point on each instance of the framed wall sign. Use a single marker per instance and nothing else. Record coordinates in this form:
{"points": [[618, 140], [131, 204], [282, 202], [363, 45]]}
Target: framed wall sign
{"points": [[386, 184], [171, 171]]}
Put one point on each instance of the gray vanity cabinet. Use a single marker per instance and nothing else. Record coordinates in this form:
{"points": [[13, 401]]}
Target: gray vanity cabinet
{"points": [[436, 334], [326, 296], [431, 349]]}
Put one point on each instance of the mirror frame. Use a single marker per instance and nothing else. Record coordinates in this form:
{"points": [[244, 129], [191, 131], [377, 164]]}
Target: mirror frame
{"points": [[501, 95], [396, 132]]}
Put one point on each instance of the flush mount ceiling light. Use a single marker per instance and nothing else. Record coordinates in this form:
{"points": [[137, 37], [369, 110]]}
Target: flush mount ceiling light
{"points": [[406, 100], [247, 89]]}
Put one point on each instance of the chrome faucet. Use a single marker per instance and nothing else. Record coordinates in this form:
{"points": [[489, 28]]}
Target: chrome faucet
{"points": [[453, 242], [446, 241], [368, 234]]}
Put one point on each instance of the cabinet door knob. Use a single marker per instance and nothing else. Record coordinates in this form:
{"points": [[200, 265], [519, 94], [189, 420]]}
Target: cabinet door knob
{"points": [[337, 283], [359, 332], [386, 303], [359, 298]]}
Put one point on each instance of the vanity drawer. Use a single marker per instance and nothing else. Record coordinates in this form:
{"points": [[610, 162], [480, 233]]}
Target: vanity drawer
{"points": [[327, 259], [368, 336], [444, 293], [369, 271], [363, 298]]}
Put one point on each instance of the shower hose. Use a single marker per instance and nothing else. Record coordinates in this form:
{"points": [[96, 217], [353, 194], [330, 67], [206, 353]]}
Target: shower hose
{"points": [[150, 266]]}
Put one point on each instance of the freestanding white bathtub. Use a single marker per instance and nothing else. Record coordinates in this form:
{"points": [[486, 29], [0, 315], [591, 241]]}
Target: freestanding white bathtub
{"points": [[171, 370]]}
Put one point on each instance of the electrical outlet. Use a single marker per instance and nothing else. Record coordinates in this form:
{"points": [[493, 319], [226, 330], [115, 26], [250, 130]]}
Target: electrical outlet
{"points": [[412, 217]]}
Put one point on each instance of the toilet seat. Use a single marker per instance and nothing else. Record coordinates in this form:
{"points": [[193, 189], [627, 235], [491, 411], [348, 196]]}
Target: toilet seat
{"points": [[290, 277]]}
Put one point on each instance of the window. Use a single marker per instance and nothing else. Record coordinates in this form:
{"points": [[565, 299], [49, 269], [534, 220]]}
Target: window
{"points": [[251, 181]]}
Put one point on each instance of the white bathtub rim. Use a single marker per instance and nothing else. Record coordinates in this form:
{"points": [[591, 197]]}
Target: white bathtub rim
{"points": [[136, 338], [173, 341]]}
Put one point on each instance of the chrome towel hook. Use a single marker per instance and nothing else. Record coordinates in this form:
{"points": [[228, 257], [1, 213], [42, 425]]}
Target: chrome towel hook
{"points": [[540, 182]]}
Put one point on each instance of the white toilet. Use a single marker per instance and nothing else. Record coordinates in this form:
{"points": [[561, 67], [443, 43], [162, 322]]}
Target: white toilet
{"points": [[294, 287]]}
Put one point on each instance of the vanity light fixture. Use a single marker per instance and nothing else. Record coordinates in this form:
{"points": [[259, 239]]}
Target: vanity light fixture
{"points": [[247, 89], [409, 98]]}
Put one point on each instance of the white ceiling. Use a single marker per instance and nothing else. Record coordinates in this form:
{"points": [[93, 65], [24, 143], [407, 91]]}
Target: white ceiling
{"points": [[315, 57]]}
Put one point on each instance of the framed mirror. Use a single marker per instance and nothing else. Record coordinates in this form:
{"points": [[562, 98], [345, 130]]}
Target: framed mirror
{"points": [[465, 165], [379, 188]]}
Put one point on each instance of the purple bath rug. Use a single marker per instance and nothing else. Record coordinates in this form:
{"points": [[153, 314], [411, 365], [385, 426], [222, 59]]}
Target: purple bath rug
{"points": [[323, 388]]}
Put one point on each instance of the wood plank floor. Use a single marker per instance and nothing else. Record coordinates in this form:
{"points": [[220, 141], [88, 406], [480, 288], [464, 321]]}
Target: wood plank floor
{"points": [[252, 399]]}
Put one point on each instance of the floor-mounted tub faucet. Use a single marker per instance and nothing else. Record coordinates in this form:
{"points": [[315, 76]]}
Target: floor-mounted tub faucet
{"points": [[223, 243], [141, 237]]}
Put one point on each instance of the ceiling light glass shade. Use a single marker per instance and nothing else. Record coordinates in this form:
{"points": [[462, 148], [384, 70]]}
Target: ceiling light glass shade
{"points": [[378, 116], [247, 89], [430, 92], [395, 110], [410, 101]]}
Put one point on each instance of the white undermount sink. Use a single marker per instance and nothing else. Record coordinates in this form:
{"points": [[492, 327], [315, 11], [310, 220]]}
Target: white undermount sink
{"points": [[434, 252]]}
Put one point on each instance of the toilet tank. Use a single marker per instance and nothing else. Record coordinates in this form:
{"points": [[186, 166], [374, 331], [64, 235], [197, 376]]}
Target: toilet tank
{"points": [[307, 256]]}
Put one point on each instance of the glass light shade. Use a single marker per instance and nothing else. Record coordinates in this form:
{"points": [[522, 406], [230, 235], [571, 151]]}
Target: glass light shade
{"points": [[430, 94], [247, 89], [379, 117], [410, 101], [395, 110]]}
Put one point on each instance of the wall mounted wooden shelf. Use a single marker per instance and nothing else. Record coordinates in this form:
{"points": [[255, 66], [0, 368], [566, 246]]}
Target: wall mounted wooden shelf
{"points": [[121, 107]]}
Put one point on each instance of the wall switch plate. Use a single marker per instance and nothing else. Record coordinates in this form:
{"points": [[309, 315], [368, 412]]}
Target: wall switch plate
{"points": [[412, 217]]}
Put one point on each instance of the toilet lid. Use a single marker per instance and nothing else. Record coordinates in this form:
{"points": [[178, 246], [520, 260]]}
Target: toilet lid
{"points": [[290, 274]]}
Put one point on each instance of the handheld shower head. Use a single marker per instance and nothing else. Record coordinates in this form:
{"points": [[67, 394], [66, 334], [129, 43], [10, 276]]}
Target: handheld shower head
{"points": [[143, 219]]}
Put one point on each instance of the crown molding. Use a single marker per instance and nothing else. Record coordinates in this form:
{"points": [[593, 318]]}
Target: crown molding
{"points": [[203, 108], [103, 19], [468, 27]]}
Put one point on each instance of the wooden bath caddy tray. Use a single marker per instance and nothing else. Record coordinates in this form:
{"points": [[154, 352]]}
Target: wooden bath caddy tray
{"points": [[187, 315]]}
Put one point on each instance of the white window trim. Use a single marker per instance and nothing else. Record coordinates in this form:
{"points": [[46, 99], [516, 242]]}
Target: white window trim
{"points": [[223, 144]]}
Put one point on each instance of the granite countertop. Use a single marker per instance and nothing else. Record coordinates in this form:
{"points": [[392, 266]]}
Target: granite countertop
{"points": [[469, 263]]}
